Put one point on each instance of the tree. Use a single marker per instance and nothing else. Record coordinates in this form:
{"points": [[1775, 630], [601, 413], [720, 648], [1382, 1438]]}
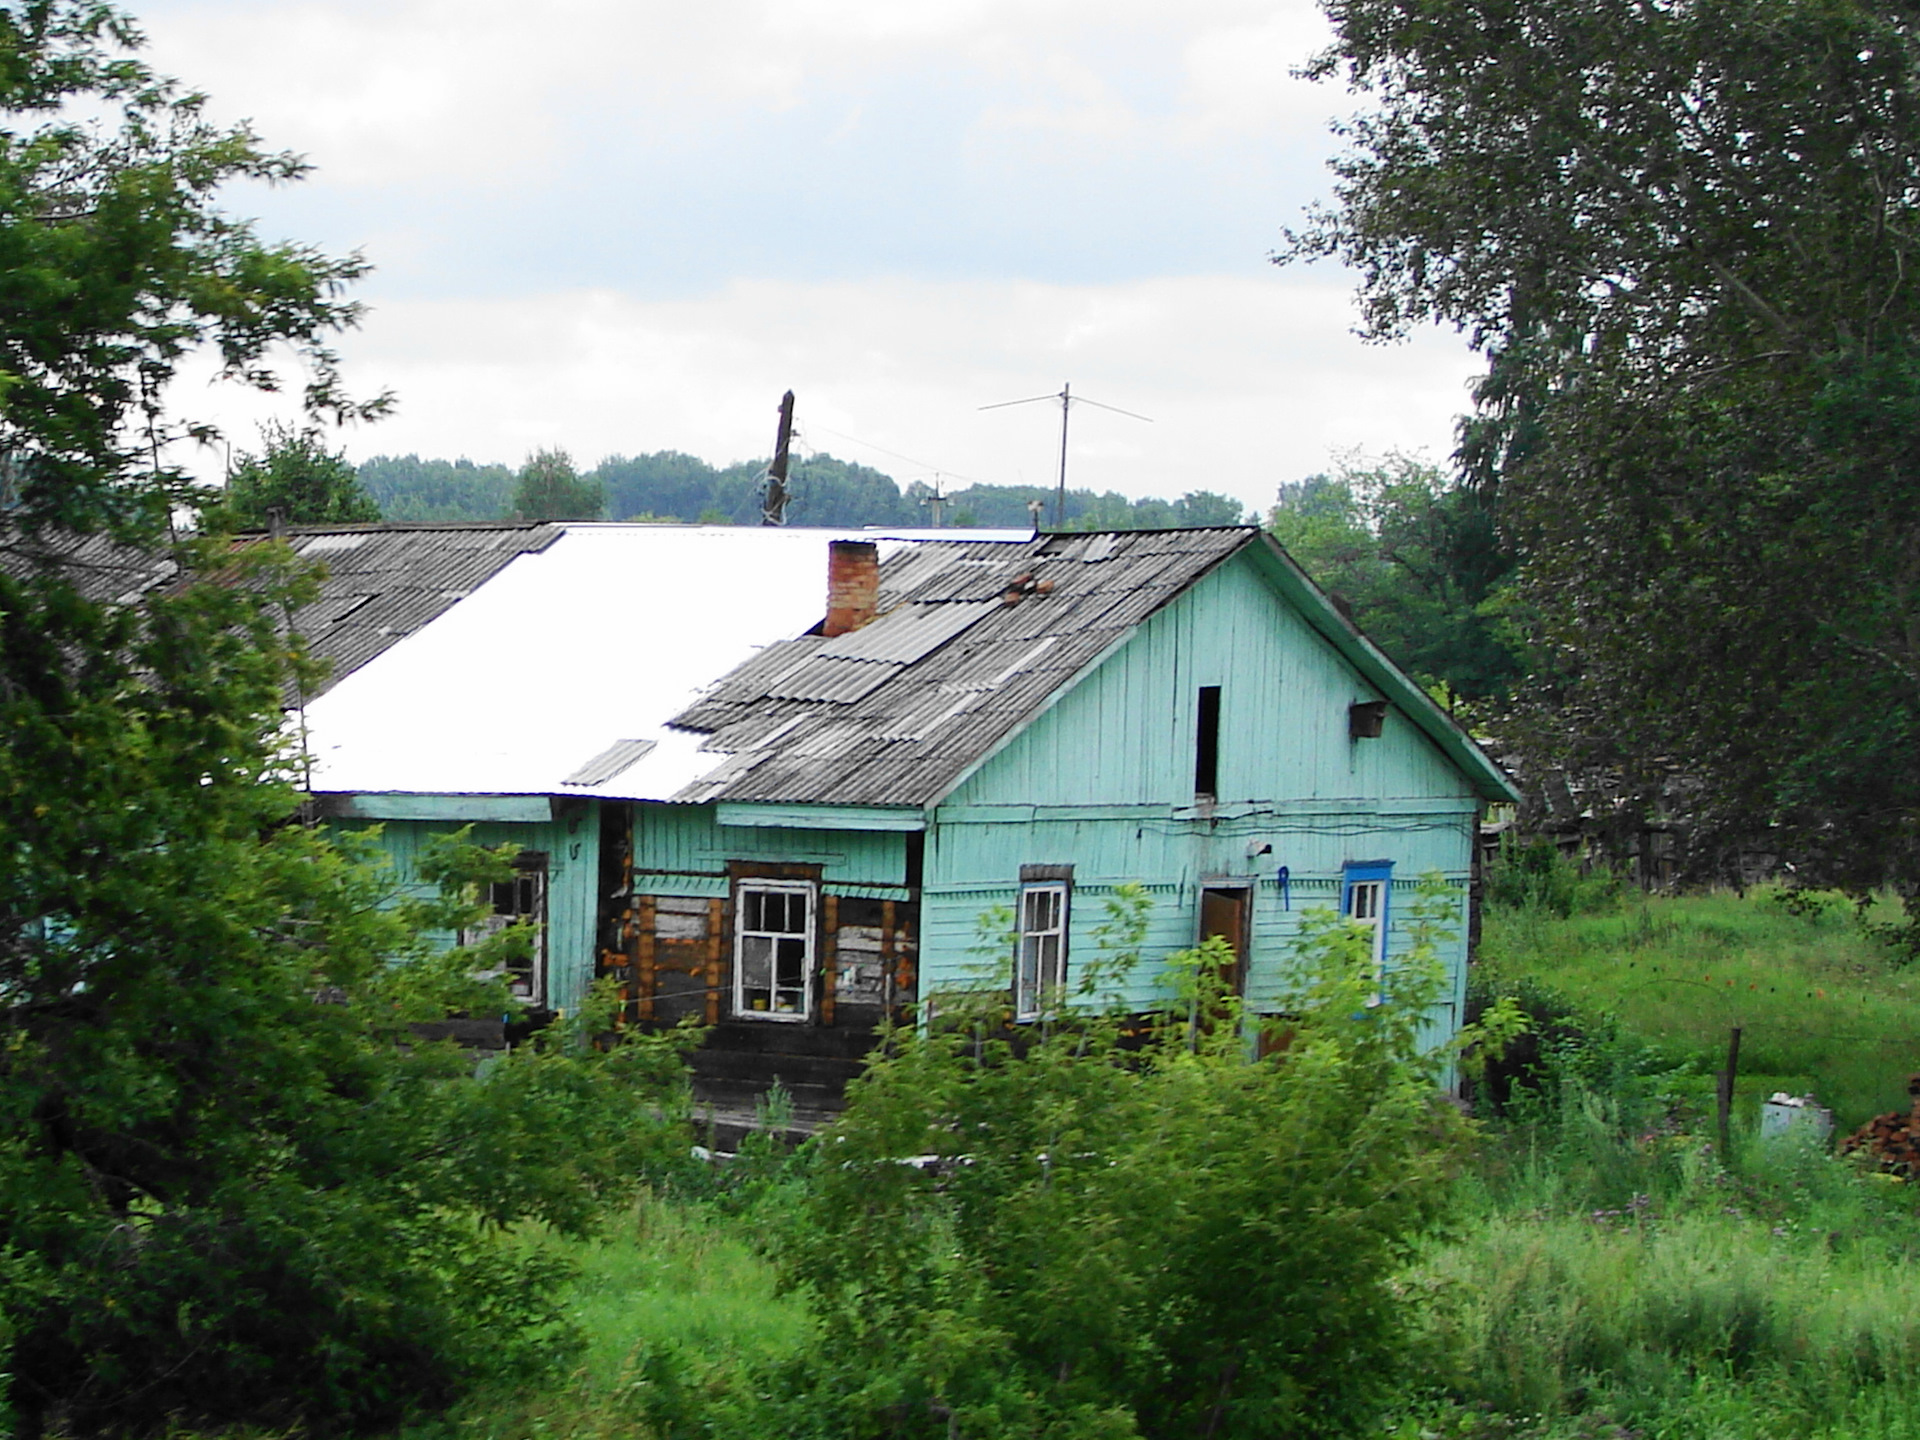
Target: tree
{"points": [[551, 489], [234, 1184], [411, 489], [1683, 236], [115, 261], [1416, 563], [296, 475]]}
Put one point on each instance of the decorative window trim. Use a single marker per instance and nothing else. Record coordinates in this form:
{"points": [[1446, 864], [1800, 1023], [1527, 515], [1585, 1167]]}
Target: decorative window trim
{"points": [[1366, 896], [798, 999], [1040, 937]]}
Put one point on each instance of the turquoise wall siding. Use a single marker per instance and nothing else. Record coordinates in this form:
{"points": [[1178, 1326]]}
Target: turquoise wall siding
{"points": [[684, 850], [572, 848], [1104, 781]]}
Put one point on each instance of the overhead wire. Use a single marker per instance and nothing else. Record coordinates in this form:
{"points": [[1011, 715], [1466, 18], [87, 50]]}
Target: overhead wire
{"points": [[897, 455]]}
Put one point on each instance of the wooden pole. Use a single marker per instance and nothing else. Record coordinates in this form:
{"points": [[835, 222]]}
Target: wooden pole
{"points": [[1727, 1077], [773, 510], [1060, 495]]}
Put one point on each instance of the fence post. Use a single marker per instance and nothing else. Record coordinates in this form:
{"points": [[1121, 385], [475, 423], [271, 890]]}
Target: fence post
{"points": [[1727, 1077]]}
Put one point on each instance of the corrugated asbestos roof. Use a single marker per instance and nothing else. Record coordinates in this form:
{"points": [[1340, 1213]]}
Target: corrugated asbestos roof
{"points": [[532, 647], [379, 584], [972, 641], [603, 634], [101, 569], [383, 584]]}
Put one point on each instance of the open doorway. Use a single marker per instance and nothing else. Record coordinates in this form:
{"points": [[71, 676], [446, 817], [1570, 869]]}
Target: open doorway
{"points": [[1226, 910]]}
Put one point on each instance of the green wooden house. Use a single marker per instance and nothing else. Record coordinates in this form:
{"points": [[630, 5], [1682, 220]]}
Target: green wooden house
{"points": [[771, 780]]}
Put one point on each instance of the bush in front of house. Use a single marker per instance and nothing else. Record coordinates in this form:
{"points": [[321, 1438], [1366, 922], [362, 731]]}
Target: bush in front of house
{"points": [[1101, 1225]]}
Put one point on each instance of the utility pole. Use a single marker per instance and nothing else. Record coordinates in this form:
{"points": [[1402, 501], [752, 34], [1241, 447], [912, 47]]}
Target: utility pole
{"points": [[773, 509], [1067, 400]]}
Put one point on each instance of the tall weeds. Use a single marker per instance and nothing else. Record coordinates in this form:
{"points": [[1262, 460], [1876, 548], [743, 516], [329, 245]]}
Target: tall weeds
{"points": [[1599, 1269]]}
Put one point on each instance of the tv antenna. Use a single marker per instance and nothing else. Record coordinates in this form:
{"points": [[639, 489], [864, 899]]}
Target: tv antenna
{"points": [[1067, 400]]}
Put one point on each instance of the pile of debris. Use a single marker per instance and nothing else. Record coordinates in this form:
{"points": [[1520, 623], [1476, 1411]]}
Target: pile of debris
{"points": [[1891, 1141]]}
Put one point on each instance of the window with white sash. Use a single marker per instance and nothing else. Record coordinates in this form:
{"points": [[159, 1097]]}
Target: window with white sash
{"points": [[773, 950], [1040, 962]]}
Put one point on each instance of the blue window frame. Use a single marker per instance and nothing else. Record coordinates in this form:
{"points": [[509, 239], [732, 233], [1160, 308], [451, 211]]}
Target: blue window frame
{"points": [[1366, 897]]}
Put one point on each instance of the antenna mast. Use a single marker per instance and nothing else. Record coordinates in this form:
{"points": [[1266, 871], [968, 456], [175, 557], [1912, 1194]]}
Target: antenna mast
{"points": [[1067, 400], [773, 509]]}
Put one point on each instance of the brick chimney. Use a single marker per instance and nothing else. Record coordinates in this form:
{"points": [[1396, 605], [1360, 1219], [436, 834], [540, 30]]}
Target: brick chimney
{"points": [[853, 585]]}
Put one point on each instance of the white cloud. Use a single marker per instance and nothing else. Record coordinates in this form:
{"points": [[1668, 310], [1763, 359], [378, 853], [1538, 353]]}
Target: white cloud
{"points": [[1249, 382], [489, 93], [628, 225]]}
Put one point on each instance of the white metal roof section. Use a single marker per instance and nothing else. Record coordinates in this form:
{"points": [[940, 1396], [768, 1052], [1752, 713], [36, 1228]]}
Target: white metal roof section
{"points": [[603, 636]]}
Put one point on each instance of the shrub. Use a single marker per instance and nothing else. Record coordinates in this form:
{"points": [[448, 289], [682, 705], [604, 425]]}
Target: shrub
{"points": [[1109, 1225], [1538, 876]]}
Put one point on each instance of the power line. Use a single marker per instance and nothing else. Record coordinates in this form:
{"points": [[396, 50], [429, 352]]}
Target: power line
{"points": [[1067, 400], [910, 459]]}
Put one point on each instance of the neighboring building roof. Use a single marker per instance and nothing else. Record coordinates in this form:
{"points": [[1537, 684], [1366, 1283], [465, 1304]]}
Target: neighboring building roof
{"points": [[385, 583], [380, 583], [599, 635], [101, 569]]}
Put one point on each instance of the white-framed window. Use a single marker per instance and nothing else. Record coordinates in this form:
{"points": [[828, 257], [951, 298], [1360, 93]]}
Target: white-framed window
{"points": [[1367, 895], [773, 954], [1040, 963], [520, 900]]}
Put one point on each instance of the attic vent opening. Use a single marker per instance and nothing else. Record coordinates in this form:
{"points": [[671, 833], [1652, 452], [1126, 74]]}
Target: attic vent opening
{"points": [[1206, 743]]}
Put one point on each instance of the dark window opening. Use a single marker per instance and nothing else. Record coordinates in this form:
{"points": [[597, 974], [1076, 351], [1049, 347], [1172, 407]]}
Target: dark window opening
{"points": [[916, 858], [521, 901], [1206, 746]]}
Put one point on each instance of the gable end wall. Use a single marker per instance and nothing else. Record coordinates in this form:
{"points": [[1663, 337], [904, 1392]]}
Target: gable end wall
{"points": [[1104, 780]]}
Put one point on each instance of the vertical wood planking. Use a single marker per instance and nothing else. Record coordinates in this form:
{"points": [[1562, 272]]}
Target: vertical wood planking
{"points": [[891, 998], [646, 960]]}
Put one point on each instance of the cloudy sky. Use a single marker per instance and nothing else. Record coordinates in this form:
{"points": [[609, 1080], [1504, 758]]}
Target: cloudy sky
{"points": [[626, 225]]}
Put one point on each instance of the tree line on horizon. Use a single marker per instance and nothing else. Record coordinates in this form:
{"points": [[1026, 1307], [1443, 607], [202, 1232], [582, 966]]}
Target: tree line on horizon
{"points": [[670, 486]]}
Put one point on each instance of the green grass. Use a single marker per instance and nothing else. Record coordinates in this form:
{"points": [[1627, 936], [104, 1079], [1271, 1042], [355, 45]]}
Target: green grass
{"points": [[679, 1283], [1820, 1005], [672, 1274]]}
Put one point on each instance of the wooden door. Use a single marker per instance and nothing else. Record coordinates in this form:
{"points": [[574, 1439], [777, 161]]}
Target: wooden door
{"points": [[1226, 910]]}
